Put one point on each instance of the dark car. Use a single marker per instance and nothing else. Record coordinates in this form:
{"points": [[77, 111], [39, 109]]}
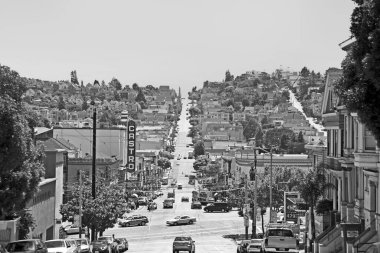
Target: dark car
{"points": [[122, 244], [185, 199], [217, 207], [2, 249], [30, 246], [196, 205], [183, 243], [152, 206], [100, 246], [134, 220]]}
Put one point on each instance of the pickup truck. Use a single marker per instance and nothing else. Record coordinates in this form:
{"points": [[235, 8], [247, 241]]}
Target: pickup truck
{"points": [[280, 239]]}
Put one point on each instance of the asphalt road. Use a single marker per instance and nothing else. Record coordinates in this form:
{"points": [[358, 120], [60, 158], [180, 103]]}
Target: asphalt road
{"points": [[207, 231]]}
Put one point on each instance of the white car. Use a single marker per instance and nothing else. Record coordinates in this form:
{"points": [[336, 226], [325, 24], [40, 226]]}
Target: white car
{"points": [[84, 245], [254, 245], [181, 220], [60, 245]]}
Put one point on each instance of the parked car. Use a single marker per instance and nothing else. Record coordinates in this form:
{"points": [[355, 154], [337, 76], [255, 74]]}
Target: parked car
{"points": [[61, 245], [84, 245], [179, 186], [183, 243], [134, 220], [217, 207], [122, 244], [181, 220], [100, 246], [29, 245], [242, 246], [254, 246], [143, 200], [72, 229], [185, 199], [196, 205]]}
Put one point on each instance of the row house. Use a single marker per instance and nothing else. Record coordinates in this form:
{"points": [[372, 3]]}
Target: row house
{"points": [[222, 131], [353, 167]]}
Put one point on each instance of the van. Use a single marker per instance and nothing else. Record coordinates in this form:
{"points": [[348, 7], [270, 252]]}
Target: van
{"points": [[217, 207]]}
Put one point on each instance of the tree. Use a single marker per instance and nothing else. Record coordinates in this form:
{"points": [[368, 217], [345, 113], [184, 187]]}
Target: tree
{"points": [[305, 72], [252, 129], [199, 148], [359, 87], [101, 212], [21, 162], [135, 86], [300, 137], [228, 77], [74, 78], [194, 111], [245, 102], [96, 82], [200, 162], [164, 162], [284, 141], [140, 97], [61, 103], [84, 105], [115, 83], [311, 188], [166, 154]]}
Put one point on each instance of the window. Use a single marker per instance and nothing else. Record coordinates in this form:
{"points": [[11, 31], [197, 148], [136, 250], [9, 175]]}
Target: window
{"points": [[366, 183], [369, 140]]}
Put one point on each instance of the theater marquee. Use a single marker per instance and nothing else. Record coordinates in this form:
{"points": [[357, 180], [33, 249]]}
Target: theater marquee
{"points": [[131, 146]]}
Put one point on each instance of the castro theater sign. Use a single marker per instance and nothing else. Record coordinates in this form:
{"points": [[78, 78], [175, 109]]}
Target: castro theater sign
{"points": [[131, 146]]}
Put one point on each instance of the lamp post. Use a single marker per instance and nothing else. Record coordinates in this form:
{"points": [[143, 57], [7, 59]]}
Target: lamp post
{"points": [[271, 186], [93, 230]]}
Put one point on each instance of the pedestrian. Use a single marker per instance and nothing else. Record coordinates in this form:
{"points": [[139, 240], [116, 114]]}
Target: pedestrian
{"points": [[137, 205]]}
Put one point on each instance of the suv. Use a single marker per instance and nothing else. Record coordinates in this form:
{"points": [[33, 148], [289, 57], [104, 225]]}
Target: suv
{"points": [[217, 207], [134, 220], [29, 245], [183, 243]]}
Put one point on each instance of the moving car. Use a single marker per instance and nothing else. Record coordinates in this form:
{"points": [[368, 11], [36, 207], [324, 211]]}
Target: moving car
{"points": [[152, 206], [196, 205], [185, 199], [122, 244], [134, 220], [279, 239], [168, 203], [179, 186], [61, 245], [217, 207], [30, 246], [183, 243], [181, 220]]}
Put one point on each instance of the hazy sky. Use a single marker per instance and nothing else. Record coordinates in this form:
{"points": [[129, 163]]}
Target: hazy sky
{"points": [[170, 42]]}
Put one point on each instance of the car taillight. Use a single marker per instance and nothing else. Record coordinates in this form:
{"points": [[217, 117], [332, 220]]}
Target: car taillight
{"points": [[266, 241]]}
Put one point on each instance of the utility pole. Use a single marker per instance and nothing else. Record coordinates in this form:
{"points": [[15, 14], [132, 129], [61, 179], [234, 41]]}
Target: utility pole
{"points": [[93, 231], [80, 204], [246, 209], [271, 185], [255, 199]]}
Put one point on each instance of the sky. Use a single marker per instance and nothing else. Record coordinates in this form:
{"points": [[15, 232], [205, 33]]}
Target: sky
{"points": [[180, 43]]}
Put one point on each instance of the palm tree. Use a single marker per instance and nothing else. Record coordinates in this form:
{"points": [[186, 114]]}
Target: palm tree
{"points": [[311, 188]]}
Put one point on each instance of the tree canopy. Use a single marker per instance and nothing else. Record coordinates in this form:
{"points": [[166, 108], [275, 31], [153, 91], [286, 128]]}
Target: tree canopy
{"points": [[359, 88], [21, 165], [199, 148], [101, 212]]}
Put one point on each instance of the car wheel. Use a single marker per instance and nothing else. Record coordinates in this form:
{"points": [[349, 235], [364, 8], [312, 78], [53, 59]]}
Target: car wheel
{"points": [[142, 223], [175, 224], [127, 224], [190, 222]]}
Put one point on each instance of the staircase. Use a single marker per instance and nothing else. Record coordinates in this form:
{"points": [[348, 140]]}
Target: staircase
{"points": [[365, 240], [330, 241]]}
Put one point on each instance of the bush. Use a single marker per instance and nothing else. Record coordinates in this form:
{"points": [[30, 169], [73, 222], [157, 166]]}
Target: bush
{"points": [[324, 206]]}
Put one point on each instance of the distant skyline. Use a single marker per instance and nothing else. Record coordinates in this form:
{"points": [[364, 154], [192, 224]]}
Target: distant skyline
{"points": [[170, 42]]}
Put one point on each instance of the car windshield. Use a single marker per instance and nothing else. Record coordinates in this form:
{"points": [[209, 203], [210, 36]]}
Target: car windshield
{"points": [[182, 239], [20, 246], [55, 244], [280, 232], [108, 239], [177, 217]]}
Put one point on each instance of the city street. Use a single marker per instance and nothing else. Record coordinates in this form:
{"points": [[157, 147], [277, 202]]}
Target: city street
{"points": [[207, 231]]}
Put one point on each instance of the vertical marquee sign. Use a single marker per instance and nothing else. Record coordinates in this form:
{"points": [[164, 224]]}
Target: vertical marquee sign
{"points": [[131, 146]]}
